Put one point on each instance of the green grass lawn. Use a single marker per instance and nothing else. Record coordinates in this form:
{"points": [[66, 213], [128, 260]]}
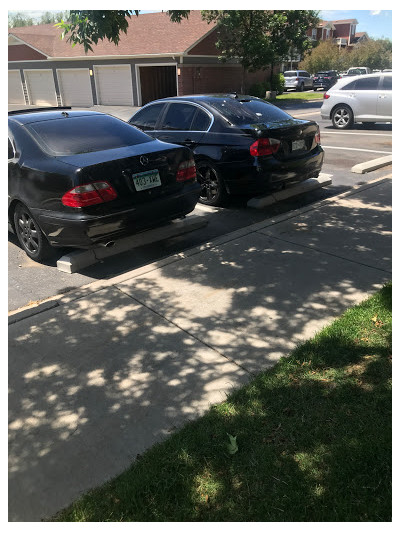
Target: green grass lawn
{"points": [[313, 436], [294, 96]]}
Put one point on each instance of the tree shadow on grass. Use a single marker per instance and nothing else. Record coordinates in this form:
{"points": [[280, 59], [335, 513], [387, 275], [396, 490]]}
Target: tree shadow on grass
{"points": [[314, 437]]}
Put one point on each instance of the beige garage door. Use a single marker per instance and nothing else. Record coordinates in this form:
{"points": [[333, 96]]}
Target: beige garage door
{"points": [[113, 84], [41, 88], [15, 91], [75, 87]]}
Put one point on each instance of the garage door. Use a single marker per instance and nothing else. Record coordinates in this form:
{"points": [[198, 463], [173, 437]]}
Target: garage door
{"points": [[75, 87], [15, 91], [114, 85], [40, 86]]}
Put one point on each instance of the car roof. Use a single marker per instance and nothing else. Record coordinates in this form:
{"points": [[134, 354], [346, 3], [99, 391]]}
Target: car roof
{"points": [[205, 98], [349, 79], [28, 116]]}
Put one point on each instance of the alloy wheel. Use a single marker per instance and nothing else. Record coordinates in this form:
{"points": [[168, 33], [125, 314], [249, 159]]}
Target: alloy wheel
{"points": [[210, 185]]}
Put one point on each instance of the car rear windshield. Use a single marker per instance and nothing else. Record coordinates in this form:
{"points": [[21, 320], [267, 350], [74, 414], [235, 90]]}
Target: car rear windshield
{"points": [[290, 74], [79, 135], [324, 73], [240, 112]]}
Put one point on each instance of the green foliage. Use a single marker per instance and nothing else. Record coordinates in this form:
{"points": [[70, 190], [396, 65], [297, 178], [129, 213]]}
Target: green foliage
{"points": [[19, 20], [259, 89], [374, 53], [88, 27], [278, 83], [260, 38]]}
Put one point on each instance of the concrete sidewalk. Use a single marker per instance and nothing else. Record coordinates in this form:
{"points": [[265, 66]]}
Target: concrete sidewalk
{"points": [[98, 376]]}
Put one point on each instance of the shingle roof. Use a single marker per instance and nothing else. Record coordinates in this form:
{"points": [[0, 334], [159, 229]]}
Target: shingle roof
{"points": [[149, 33]]}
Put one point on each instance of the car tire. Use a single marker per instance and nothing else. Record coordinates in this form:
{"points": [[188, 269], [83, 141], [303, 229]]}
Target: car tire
{"points": [[342, 117], [213, 191], [29, 234], [301, 88]]}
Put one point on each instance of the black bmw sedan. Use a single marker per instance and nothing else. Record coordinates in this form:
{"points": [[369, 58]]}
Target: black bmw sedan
{"points": [[83, 178], [241, 144]]}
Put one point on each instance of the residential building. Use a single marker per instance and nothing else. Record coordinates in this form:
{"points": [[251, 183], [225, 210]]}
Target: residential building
{"points": [[156, 58]]}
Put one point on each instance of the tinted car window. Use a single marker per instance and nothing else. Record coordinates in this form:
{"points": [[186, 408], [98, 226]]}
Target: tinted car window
{"points": [[290, 73], [245, 112], [178, 117], [349, 87], [78, 135], [201, 121], [387, 83], [147, 117], [367, 84]]}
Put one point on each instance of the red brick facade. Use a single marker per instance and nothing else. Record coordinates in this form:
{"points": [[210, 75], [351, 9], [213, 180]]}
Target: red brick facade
{"points": [[221, 78]]}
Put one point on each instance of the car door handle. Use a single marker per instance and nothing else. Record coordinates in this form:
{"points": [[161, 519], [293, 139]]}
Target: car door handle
{"points": [[382, 96], [189, 143]]}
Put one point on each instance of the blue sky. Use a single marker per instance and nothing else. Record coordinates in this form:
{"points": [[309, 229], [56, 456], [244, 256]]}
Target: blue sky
{"points": [[377, 23]]}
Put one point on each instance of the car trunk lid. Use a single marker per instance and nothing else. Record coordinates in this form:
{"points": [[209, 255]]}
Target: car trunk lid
{"points": [[296, 137]]}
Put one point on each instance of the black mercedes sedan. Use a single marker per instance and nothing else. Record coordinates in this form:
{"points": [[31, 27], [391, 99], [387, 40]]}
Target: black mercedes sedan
{"points": [[241, 144], [83, 179]]}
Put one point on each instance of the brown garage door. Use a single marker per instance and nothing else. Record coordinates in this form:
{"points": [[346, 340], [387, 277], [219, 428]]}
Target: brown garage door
{"points": [[157, 82]]}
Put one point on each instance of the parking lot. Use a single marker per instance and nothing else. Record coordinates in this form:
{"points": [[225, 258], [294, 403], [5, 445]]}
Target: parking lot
{"points": [[30, 282]]}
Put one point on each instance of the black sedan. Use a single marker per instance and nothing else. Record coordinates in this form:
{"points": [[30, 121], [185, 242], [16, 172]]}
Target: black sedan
{"points": [[83, 179], [241, 144]]}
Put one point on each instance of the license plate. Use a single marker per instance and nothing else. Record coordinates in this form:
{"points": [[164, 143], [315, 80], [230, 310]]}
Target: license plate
{"points": [[146, 180], [298, 145]]}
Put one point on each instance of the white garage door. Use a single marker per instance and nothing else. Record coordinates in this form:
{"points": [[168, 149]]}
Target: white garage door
{"points": [[114, 84], [75, 87], [41, 88], [15, 92]]}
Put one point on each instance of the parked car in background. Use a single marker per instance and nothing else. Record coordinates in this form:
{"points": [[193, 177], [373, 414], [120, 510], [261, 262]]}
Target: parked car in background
{"points": [[84, 179], [366, 98], [357, 71], [297, 79], [241, 144], [325, 79]]}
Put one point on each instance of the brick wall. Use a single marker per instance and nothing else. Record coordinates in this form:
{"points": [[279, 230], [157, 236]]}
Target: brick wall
{"points": [[221, 78]]}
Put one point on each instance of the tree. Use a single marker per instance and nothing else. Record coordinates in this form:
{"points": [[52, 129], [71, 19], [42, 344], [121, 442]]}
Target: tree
{"points": [[326, 56], [374, 53], [19, 20], [51, 18]]}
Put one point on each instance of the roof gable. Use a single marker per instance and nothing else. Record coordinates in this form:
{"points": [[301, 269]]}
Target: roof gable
{"points": [[150, 33]]}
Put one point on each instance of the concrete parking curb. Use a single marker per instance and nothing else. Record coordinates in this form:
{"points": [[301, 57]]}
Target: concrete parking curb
{"points": [[61, 299], [83, 258], [309, 185], [374, 164]]}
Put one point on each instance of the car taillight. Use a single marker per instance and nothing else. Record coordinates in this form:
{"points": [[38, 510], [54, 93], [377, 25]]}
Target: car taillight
{"points": [[264, 146], [318, 137], [326, 96], [186, 171], [89, 194], [297, 79]]}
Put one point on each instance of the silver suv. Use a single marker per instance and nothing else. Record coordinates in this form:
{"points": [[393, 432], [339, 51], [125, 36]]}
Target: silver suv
{"points": [[366, 98], [298, 79]]}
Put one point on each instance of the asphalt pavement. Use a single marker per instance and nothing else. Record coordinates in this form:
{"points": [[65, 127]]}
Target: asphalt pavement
{"points": [[100, 374]]}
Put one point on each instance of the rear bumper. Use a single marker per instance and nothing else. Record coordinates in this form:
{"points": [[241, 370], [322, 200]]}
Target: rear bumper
{"points": [[272, 173], [80, 230]]}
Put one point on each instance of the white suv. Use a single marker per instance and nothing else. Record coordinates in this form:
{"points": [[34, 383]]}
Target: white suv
{"points": [[298, 79], [366, 98]]}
